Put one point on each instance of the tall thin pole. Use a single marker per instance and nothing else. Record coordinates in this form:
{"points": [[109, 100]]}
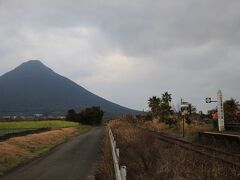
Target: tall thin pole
{"points": [[183, 126], [183, 119]]}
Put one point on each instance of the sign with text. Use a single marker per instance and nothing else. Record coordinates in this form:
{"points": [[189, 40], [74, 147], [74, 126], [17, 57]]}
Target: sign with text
{"points": [[220, 111]]}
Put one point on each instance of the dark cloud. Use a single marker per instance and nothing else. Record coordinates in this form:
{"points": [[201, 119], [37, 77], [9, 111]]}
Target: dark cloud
{"points": [[129, 50]]}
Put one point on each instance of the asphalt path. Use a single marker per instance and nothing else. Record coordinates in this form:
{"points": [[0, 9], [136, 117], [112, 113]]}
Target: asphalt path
{"points": [[73, 160]]}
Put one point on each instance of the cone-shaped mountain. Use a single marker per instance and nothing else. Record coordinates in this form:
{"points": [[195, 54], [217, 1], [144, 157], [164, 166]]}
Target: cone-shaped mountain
{"points": [[32, 88]]}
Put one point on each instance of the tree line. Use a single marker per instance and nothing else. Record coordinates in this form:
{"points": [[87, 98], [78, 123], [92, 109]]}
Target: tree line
{"points": [[90, 116]]}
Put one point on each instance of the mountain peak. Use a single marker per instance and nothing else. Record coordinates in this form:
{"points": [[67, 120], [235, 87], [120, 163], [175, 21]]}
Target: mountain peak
{"points": [[33, 63], [33, 67]]}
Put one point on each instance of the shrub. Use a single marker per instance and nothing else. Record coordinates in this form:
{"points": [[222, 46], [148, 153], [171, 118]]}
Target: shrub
{"points": [[148, 117], [170, 121], [71, 115], [91, 116]]}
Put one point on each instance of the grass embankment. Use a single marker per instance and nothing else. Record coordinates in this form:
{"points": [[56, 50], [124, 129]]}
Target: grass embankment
{"points": [[148, 158], [18, 150]]}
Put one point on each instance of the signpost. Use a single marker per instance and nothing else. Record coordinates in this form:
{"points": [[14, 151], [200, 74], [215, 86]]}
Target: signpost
{"points": [[185, 109], [209, 100], [220, 110]]}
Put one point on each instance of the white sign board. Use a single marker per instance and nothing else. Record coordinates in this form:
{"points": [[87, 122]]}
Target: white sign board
{"points": [[220, 111]]}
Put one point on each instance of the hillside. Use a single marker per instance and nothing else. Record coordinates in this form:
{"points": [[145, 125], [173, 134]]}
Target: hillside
{"points": [[32, 88]]}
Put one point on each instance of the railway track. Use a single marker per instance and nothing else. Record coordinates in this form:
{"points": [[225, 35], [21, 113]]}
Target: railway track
{"points": [[225, 157]]}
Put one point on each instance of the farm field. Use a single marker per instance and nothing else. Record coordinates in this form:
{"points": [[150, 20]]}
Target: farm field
{"points": [[22, 126]]}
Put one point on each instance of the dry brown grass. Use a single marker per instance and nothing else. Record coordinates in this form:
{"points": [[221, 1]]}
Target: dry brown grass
{"points": [[155, 125], [105, 169], [20, 149], [191, 131], [147, 158], [36, 142]]}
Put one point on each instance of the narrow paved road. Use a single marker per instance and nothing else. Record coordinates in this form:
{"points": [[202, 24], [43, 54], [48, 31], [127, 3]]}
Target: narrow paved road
{"points": [[73, 160]]}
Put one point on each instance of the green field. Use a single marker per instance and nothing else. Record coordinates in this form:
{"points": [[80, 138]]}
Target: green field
{"points": [[20, 126]]}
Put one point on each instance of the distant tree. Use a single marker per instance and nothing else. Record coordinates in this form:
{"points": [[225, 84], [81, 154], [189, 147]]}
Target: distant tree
{"points": [[230, 109], [165, 106], [166, 97], [71, 115], [91, 116], [166, 109], [154, 104], [160, 107]]}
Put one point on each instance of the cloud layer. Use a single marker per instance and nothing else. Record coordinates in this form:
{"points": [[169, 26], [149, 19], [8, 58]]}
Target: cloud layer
{"points": [[128, 51]]}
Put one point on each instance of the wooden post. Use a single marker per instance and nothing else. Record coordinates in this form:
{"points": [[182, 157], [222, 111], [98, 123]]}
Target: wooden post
{"points": [[183, 125]]}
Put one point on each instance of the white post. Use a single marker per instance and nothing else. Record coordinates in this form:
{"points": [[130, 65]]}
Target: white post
{"points": [[220, 111], [117, 153], [124, 172]]}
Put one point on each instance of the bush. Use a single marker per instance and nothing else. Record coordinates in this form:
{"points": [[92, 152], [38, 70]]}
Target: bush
{"points": [[71, 115], [91, 116], [148, 117], [170, 121]]}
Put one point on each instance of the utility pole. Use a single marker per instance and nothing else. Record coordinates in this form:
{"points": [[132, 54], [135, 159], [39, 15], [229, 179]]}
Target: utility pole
{"points": [[184, 112]]}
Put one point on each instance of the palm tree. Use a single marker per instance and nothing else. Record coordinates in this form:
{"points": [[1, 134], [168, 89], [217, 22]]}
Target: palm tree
{"points": [[166, 98], [166, 109], [154, 104]]}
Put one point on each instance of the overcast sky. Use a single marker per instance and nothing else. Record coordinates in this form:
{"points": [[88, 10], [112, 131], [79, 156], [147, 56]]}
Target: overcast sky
{"points": [[129, 50]]}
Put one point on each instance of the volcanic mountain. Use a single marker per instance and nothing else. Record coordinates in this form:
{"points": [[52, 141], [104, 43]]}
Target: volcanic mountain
{"points": [[34, 88]]}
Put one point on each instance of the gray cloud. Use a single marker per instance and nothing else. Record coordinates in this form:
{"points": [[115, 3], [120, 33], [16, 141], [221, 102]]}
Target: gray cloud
{"points": [[127, 51]]}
